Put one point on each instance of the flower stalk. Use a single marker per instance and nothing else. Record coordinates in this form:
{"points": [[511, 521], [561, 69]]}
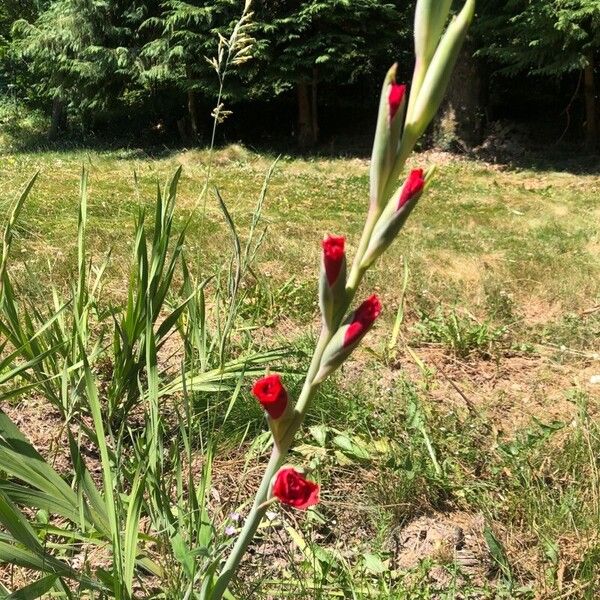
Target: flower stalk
{"points": [[342, 332]]}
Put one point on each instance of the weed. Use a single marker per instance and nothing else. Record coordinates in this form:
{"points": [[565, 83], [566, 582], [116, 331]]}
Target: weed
{"points": [[463, 335]]}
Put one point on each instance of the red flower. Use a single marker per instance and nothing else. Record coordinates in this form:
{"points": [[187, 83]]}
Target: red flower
{"points": [[333, 256], [291, 487], [364, 317], [271, 394], [412, 186], [395, 98]]}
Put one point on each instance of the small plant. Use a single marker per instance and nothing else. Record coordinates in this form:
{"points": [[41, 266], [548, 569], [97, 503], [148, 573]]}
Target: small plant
{"points": [[463, 335]]}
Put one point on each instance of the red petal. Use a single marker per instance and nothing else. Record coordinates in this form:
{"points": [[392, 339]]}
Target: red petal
{"points": [[333, 256], [395, 98], [364, 317], [412, 186], [272, 395], [293, 489]]}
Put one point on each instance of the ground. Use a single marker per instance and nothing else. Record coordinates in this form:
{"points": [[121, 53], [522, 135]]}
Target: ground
{"points": [[458, 458]]}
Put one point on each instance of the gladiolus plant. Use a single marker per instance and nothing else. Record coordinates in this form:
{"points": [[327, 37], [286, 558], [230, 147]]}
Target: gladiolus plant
{"points": [[404, 114]]}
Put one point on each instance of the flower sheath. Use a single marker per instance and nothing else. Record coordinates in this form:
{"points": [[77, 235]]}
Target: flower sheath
{"points": [[388, 134]]}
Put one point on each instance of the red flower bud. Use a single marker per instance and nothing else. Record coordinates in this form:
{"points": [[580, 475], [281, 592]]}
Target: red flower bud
{"points": [[271, 394], [412, 186], [292, 488], [395, 98], [363, 318], [333, 256]]}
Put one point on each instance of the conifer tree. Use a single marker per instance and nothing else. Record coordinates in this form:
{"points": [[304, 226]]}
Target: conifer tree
{"points": [[307, 42], [546, 37]]}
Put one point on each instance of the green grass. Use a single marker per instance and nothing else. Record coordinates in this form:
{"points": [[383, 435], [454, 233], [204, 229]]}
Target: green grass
{"points": [[533, 233], [483, 406]]}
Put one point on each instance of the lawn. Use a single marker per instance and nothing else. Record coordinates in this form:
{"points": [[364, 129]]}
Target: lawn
{"points": [[458, 457]]}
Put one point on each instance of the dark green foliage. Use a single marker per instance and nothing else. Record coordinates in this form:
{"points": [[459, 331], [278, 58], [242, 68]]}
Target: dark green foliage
{"points": [[339, 39], [539, 36], [99, 58], [180, 38], [82, 51], [143, 67]]}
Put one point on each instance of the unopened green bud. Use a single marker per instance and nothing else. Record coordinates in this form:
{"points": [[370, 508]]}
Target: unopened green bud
{"points": [[394, 216], [430, 18], [387, 135], [438, 73], [348, 336]]}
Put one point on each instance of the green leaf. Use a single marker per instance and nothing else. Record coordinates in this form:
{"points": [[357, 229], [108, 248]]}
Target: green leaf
{"points": [[20, 460], [374, 564], [350, 447], [498, 553], [34, 590], [319, 433]]}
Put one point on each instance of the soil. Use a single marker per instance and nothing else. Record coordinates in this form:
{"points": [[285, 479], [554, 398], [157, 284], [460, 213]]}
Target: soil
{"points": [[453, 538]]}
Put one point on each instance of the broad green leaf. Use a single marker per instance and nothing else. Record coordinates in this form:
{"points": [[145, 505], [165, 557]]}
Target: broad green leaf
{"points": [[352, 447], [374, 564], [34, 590]]}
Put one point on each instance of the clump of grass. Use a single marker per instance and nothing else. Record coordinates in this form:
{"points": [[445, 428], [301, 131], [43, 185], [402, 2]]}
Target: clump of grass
{"points": [[571, 331], [266, 301], [102, 365], [462, 334]]}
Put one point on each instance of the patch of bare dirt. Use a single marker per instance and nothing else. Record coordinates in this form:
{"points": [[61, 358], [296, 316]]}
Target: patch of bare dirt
{"points": [[43, 426], [539, 311], [446, 539], [511, 391]]}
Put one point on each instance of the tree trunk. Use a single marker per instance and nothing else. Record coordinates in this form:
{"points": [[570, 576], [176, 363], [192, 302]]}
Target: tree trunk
{"points": [[58, 117], [314, 108], [305, 133], [184, 133], [461, 120], [308, 114], [589, 91], [193, 115]]}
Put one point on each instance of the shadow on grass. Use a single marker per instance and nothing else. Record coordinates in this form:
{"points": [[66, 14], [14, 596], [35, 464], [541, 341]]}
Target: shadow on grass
{"points": [[27, 136]]}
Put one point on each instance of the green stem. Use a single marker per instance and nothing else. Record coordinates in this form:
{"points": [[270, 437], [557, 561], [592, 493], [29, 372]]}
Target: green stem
{"points": [[356, 273], [280, 450], [278, 455], [250, 526]]}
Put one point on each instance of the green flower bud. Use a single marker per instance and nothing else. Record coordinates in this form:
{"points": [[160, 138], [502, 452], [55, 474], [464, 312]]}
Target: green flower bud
{"points": [[435, 82], [387, 135], [394, 216], [348, 336]]}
